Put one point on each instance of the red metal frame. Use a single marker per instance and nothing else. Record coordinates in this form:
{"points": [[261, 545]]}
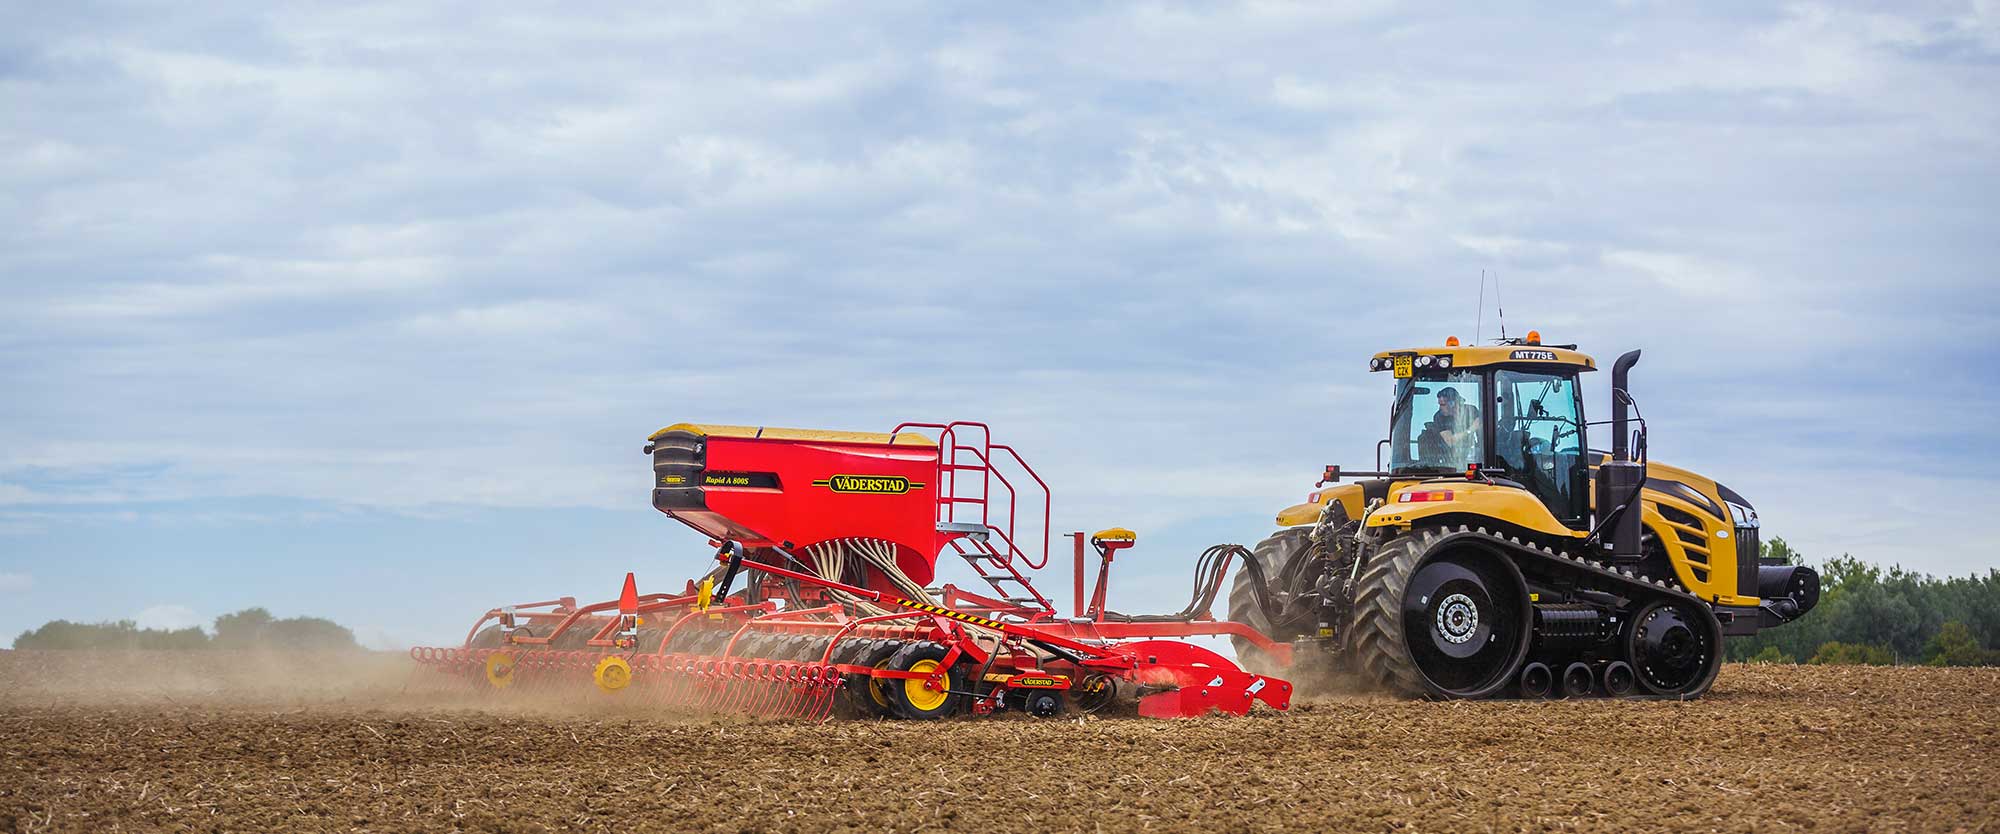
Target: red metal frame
{"points": [[799, 502]]}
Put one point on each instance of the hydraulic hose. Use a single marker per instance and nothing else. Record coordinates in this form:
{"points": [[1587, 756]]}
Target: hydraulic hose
{"points": [[1209, 571]]}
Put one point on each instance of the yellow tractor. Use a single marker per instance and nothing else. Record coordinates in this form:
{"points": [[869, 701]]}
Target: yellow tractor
{"points": [[1498, 554]]}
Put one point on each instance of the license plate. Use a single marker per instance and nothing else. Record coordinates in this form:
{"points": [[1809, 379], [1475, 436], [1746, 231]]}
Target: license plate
{"points": [[1406, 367]]}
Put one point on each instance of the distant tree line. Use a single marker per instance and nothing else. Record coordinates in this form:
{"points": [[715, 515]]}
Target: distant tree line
{"points": [[250, 628], [1868, 615]]}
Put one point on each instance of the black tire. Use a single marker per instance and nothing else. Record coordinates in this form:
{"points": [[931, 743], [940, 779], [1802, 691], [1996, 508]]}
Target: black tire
{"points": [[1271, 555], [1578, 682], [1675, 647], [1440, 620], [1619, 679], [868, 698], [908, 700], [1537, 681]]}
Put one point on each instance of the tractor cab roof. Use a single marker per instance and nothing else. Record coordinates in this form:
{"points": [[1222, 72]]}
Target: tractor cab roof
{"points": [[1528, 351]]}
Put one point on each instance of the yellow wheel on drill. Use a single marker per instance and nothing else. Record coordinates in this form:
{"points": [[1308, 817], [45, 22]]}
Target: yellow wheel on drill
{"points": [[920, 697], [878, 691], [612, 673], [500, 670], [913, 699]]}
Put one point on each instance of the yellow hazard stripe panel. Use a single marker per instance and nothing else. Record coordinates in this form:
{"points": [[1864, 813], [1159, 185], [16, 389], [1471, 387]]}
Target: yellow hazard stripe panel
{"points": [[960, 616], [770, 433]]}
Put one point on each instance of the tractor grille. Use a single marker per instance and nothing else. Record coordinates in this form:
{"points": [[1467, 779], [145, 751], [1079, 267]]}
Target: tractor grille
{"points": [[1747, 550]]}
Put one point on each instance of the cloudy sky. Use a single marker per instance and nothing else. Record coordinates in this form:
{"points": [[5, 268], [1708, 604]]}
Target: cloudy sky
{"points": [[365, 311]]}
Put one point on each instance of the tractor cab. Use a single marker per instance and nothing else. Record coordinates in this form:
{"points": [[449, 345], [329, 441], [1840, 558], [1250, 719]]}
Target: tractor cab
{"points": [[1513, 411]]}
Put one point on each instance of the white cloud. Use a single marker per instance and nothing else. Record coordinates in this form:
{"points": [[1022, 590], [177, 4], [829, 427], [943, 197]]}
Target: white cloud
{"points": [[168, 617], [376, 258]]}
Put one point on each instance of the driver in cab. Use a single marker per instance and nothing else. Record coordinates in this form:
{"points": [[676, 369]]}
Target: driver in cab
{"points": [[1452, 435]]}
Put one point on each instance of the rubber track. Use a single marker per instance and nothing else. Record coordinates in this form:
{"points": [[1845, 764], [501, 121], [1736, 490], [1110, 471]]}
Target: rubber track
{"points": [[1376, 635]]}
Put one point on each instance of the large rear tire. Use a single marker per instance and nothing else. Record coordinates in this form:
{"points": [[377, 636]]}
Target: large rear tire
{"points": [[1271, 555], [1450, 622]]}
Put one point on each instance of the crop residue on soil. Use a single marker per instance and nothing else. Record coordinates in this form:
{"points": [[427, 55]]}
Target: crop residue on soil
{"points": [[1774, 748]]}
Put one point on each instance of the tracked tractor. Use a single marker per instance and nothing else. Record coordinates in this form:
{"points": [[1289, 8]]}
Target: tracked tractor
{"points": [[1496, 553]]}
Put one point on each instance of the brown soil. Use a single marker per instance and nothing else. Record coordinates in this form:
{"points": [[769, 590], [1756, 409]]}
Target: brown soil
{"points": [[1774, 748]]}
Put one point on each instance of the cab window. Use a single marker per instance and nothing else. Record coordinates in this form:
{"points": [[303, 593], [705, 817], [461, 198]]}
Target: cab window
{"points": [[1538, 437], [1435, 425]]}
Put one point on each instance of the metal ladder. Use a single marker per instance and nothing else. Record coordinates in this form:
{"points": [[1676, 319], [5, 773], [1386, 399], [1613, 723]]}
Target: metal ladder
{"points": [[970, 468]]}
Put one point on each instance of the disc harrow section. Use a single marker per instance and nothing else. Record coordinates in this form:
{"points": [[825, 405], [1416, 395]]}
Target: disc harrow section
{"points": [[743, 671]]}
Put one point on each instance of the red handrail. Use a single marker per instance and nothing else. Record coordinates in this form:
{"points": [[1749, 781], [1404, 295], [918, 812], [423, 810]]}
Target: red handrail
{"points": [[951, 444]]}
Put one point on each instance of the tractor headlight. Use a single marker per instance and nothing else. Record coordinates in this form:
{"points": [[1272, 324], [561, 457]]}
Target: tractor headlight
{"points": [[1444, 361], [1743, 516], [1425, 361]]}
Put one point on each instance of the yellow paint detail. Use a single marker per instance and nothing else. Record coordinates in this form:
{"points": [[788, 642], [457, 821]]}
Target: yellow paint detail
{"points": [[1114, 534], [922, 698], [612, 673], [704, 595], [1349, 496], [875, 691], [1513, 506], [770, 433], [500, 670], [1475, 356]]}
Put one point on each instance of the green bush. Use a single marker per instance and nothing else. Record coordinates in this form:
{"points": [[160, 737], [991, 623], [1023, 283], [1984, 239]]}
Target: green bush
{"points": [[123, 634], [1902, 611], [1851, 654], [1954, 645], [251, 628], [1772, 654]]}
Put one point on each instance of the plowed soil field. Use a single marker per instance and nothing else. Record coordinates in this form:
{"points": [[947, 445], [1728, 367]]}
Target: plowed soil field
{"points": [[168, 746]]}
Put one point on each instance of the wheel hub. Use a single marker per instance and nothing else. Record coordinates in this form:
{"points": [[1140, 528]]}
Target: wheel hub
{"points": [[1668, 651], [1457, 618]]}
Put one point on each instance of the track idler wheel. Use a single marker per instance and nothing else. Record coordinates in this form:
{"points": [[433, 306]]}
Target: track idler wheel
{"points": [[1537, 681], [915, 698], [1577, 681], [1674, 649], [1619, 679]]}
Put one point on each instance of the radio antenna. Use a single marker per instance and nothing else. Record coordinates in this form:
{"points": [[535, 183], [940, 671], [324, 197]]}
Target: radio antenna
{"points": [[1499, 305], [1480, 321]]}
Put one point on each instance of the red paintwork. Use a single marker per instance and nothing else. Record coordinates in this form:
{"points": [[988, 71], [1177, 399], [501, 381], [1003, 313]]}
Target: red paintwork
{"points": [[804, 515], [954, 481]]}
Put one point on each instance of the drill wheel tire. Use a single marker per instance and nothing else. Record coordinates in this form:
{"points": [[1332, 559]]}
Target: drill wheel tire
{"points": [[868, 696], [1271, 555], [1445, 623], [912, 698]]}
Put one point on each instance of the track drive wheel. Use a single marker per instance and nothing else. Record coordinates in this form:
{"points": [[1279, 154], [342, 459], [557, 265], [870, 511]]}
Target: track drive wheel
{"points": [[910, 697], [1271, 555], [1675, 649], [1440, 620]]}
